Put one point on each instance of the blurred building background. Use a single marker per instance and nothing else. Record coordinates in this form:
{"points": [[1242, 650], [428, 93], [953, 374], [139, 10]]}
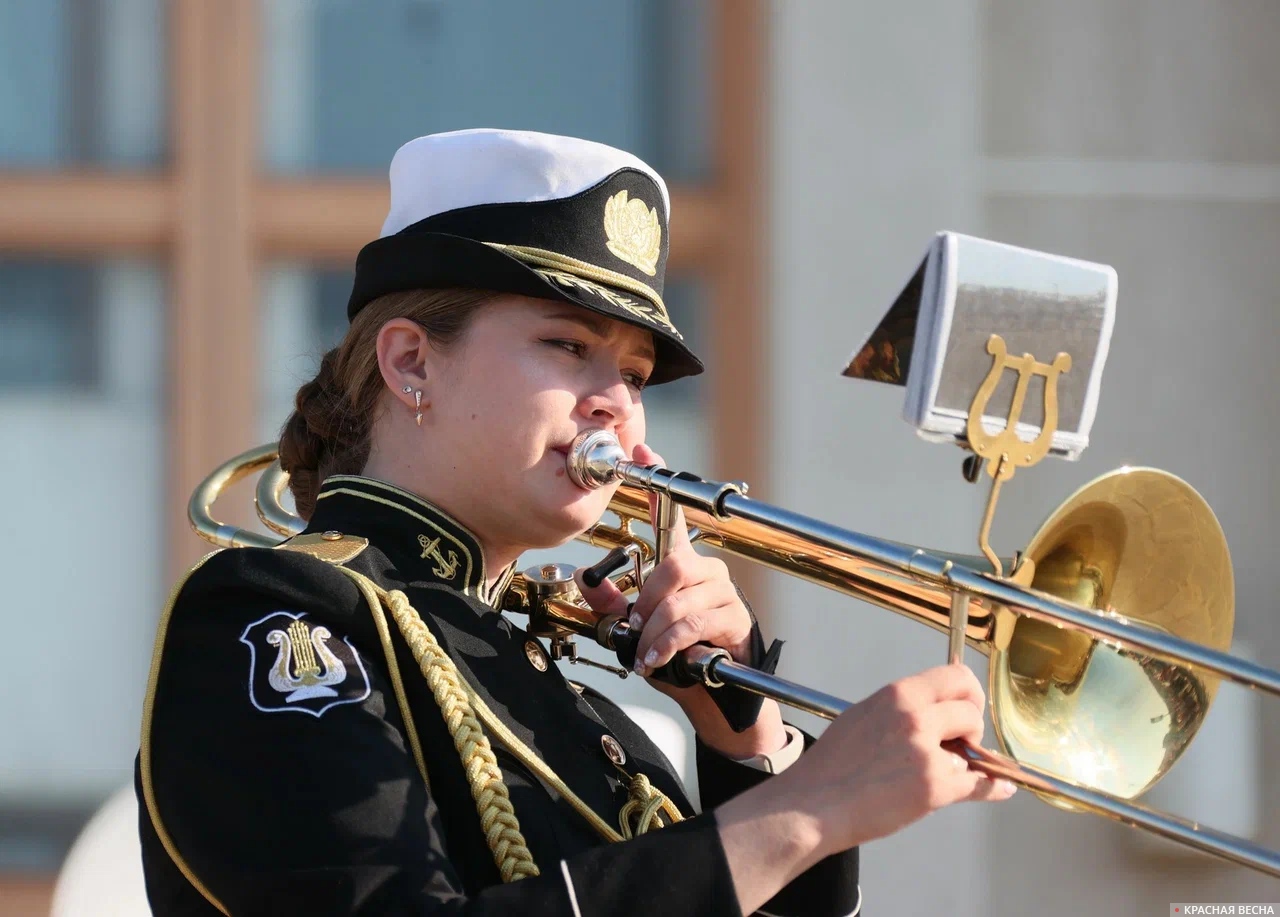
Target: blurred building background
{"points": [[184, 185]]}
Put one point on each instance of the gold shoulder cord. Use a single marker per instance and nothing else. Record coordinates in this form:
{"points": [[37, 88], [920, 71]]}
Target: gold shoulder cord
{"points": [[493, 801], [467, 716], [436, 664]]}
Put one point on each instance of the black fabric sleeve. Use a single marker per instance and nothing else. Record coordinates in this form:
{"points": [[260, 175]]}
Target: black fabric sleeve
{"points": [[741, 708], [829, 888], [282, 797]]}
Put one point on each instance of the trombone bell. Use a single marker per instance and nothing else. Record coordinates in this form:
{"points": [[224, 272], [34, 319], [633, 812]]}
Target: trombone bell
{"points": [[1095, 713]]}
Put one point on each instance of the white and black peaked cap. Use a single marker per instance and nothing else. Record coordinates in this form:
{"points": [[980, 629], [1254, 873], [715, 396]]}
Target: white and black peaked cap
{"points": [[536, 214]]}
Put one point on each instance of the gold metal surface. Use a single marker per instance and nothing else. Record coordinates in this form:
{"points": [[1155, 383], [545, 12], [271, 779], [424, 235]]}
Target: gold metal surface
{"points": [[1005, 451], [1097, 715], [266, 500], [993, 496], [613, 750], [537, 658], [925, 602], [202, 499], [331, 547]]}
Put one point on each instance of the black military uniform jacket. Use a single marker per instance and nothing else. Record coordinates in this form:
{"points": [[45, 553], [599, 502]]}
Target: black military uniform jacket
{"points": [[262, 791]]}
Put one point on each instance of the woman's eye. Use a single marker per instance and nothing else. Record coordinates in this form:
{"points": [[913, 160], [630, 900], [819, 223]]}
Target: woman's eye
{"points": [[577, 348]]}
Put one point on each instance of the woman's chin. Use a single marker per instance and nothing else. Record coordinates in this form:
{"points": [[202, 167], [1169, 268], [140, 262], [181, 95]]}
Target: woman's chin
{"points": [[568, 519]]}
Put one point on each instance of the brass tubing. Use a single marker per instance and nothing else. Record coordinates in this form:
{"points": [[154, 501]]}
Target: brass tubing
{"points": [[878, 583], [200, 506], [914, 582], [266, 500], [1207, 840]]}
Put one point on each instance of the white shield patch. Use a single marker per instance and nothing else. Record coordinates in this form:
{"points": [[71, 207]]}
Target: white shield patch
{"points": [[297, 665]]}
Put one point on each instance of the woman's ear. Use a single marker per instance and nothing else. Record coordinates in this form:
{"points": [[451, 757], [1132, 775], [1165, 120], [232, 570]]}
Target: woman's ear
{"points": [[403, 352]]}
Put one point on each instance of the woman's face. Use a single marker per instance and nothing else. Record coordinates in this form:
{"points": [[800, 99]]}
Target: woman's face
{"points": [[505, 403]]}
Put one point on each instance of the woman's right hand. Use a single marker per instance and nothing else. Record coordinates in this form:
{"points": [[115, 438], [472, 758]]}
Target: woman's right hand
{"points": [[880, 765]]}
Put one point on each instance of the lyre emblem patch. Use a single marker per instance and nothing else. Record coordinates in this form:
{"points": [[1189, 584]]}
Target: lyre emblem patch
{"points": [[633, 231], [445, 568], [297, 665]]}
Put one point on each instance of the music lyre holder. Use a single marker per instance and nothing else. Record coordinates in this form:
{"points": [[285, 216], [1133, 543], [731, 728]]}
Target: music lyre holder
{"points": [[1004, 452]]}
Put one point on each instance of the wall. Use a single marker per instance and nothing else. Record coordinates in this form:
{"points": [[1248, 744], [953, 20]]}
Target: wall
{"points": [[1137, 133], [874, 141]]}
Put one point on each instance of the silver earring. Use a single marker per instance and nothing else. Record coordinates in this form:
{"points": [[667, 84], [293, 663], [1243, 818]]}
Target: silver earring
{"points": [[407, 389], [417, 400]]}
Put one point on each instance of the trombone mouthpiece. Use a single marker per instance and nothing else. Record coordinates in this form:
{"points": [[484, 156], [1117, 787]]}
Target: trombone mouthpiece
{"points": [[593, 459]]}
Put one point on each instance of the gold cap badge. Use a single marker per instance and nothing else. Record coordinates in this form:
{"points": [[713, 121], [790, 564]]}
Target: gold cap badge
{"points": [[633, 231]]}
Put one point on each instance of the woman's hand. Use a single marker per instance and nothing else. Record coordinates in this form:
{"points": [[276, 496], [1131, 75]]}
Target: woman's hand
{"points": [[879, 767], [689, 599], [881, 764]]}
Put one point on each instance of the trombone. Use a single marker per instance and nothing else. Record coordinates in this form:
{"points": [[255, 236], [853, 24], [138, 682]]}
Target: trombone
{"points": [[1106, 642]]}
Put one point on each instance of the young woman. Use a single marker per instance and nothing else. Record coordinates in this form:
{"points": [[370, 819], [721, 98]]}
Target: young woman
{"points": [[348, 724]]}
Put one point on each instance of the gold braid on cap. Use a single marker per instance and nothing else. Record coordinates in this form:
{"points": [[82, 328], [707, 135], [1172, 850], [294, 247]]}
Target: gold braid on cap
{"points": [[541, 257]]}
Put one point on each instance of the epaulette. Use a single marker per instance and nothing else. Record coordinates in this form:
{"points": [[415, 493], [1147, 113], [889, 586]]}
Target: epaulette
{"points": [[331, 547]]}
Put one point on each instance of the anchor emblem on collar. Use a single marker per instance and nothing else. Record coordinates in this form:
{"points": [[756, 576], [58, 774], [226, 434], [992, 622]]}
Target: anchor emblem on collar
{"points": [[446, 568]]}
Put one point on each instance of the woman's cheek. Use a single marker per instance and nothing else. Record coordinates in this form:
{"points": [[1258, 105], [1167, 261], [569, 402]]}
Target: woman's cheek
{"points": [[632, 434]]}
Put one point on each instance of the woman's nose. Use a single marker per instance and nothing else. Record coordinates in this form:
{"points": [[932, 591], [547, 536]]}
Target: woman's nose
{"points": [[610, 404]]}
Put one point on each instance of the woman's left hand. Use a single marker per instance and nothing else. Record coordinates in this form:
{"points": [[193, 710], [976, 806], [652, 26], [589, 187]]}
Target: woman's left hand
{"points": [[689, 599]]}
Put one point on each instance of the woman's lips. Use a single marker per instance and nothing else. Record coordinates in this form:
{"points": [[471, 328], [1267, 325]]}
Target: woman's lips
{"points": [[559, 456]]}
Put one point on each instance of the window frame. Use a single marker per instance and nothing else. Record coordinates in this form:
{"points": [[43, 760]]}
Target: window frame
{"points": [[214, 217]]}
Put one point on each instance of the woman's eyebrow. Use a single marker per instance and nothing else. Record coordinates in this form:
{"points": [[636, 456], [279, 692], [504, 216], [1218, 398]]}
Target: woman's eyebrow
{"points": [[599, 327]]}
